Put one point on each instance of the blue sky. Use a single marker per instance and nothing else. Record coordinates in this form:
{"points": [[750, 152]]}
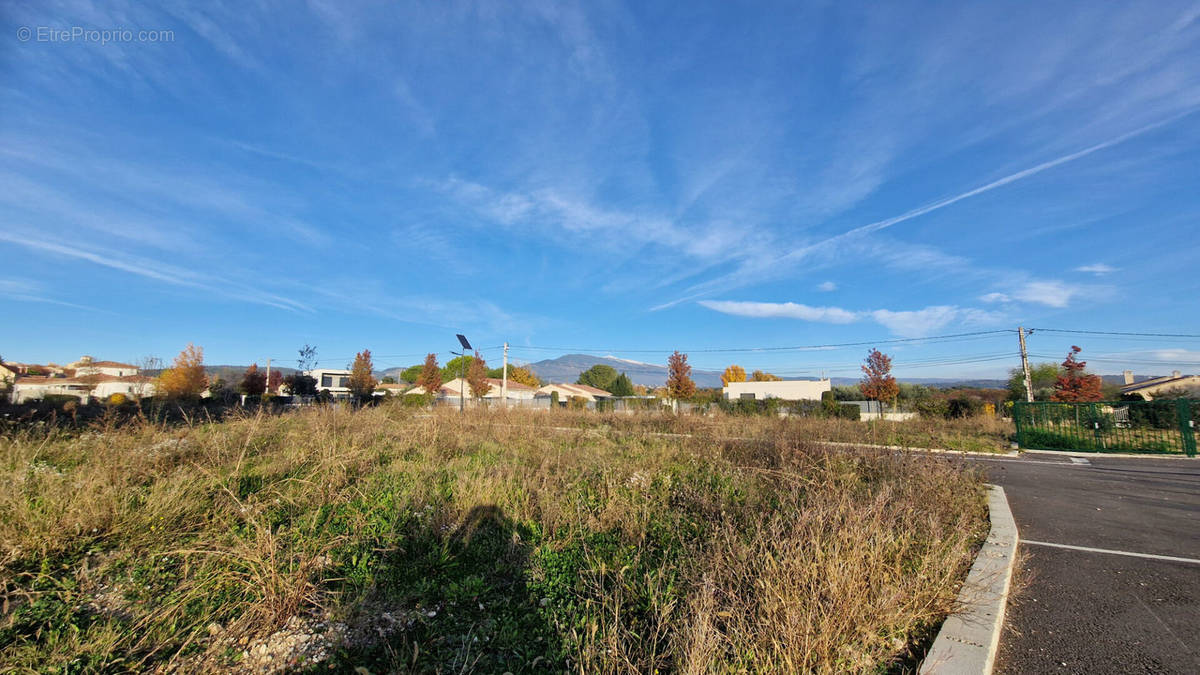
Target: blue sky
{"points": [[623, 178]]}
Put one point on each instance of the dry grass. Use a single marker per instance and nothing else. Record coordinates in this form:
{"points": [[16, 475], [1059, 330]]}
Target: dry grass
{"points": [[484, 543]]}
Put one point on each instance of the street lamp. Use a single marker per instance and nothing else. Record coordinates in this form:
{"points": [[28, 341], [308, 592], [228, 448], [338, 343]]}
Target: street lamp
{"points": [[462, 381]]}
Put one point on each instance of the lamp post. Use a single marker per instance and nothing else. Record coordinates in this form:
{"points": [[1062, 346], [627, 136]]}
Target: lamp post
{"points": [[462, 380]]}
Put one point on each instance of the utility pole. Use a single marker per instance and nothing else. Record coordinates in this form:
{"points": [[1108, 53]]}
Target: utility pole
{"points": [[504, 382], [1025, 364], [268, 374]]}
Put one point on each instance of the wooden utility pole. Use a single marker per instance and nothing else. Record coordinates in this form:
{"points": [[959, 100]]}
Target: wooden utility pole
{"points": [[1025, 364], [268, 375], [504, 382]]}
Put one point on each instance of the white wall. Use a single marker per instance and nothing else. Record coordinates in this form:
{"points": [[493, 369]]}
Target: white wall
{"points": [[787, 390]]}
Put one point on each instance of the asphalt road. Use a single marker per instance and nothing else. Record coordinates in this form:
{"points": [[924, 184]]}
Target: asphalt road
{"points": [[1077, 611]]}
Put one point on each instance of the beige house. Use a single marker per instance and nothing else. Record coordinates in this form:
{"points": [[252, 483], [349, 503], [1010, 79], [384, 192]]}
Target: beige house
{"points": [[568, 391], [516, 390], [1148, 389], [786, 390], [88, 366], [33, 388]]}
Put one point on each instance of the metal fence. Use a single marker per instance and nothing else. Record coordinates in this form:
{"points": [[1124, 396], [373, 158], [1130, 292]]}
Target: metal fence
{"points": [[1165, 426]]}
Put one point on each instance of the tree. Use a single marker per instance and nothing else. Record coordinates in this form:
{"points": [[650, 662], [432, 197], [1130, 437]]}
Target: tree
{"points": [[760, 376], [456, 366], [877, 382], [525, 376], [1044, 375], [412, 373], [387, 379], [734, 373], [622, 386], [599, 376], [274, 381], [254, 382], [361, 382], [1074, 384], [430, 378], [301, 383], [219, 391], [477, 377], [185, 378], [679, 377]]}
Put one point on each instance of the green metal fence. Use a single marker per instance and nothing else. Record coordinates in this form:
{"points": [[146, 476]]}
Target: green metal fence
{"points": [[1164, 427]]}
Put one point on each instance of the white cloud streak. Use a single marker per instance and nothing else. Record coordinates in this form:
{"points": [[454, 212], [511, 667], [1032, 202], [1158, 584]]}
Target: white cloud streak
{"points": [[758, 270], [782, 310], [905, 323], [1099, 269]]}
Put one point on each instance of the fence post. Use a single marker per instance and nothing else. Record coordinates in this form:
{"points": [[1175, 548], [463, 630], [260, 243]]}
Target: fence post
{"points": [[1183, 412]]}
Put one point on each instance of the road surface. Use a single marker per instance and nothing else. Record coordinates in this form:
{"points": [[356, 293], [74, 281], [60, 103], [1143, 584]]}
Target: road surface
{"points": [[1126, 597]]}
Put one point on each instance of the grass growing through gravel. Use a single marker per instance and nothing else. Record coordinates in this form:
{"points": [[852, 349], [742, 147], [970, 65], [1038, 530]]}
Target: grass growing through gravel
{"points": [[402, 541]]}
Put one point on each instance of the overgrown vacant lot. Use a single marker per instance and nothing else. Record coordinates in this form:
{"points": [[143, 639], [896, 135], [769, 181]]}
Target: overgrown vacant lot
{"points": [[487, 543]]}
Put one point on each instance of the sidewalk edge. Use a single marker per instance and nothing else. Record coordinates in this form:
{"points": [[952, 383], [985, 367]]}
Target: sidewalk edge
{"points": [[969, 638]]}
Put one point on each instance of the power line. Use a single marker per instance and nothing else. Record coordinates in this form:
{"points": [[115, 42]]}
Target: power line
{"points": [[1114, 333]]}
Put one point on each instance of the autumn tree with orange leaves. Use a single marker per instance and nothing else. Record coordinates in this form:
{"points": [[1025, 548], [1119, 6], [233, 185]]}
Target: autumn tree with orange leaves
{"points": [[254, 381], [430, 378], [1074, 385], [679, 377], [185, 378], [362, 382], [477, 377], [877, 382]]}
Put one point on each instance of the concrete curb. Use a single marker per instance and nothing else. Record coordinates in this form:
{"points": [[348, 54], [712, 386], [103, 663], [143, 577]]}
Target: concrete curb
{"points": [[968, 639], [1107, 455], [908, 448]]}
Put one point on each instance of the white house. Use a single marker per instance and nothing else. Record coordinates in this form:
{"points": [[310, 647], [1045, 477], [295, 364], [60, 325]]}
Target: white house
{"points": [[99, 386], [786, 390], [516, 390], [86, 365], [569, 391], [331, 380]]}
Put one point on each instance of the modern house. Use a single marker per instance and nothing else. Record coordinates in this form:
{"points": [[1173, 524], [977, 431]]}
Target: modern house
{"points": [[786, 390], [1148, 389], [331, 380]]}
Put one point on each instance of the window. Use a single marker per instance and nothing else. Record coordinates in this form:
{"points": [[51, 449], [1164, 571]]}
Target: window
{"points": [[326, 380]]}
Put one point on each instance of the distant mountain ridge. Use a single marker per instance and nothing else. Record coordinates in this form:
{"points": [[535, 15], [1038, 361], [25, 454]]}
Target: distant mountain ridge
{"points": [[567, 368]]}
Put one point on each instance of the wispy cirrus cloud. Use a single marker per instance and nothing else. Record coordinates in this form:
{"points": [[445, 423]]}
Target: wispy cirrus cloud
{"points": [[756, 271], [781, 310], [905, 323], [826, 286], [1047, 292], [1099, 269], [157, 271]]}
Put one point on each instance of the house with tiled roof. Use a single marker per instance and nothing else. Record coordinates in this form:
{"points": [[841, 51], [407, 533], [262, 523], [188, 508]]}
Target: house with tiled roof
{"points": [[1148, 389], [569, 391], [86, 365], [516, 390], [85, 387]]}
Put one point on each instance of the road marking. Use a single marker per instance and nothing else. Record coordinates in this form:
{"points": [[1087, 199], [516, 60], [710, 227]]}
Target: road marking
{"points": [[1088, 549], [1080, 460]]}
